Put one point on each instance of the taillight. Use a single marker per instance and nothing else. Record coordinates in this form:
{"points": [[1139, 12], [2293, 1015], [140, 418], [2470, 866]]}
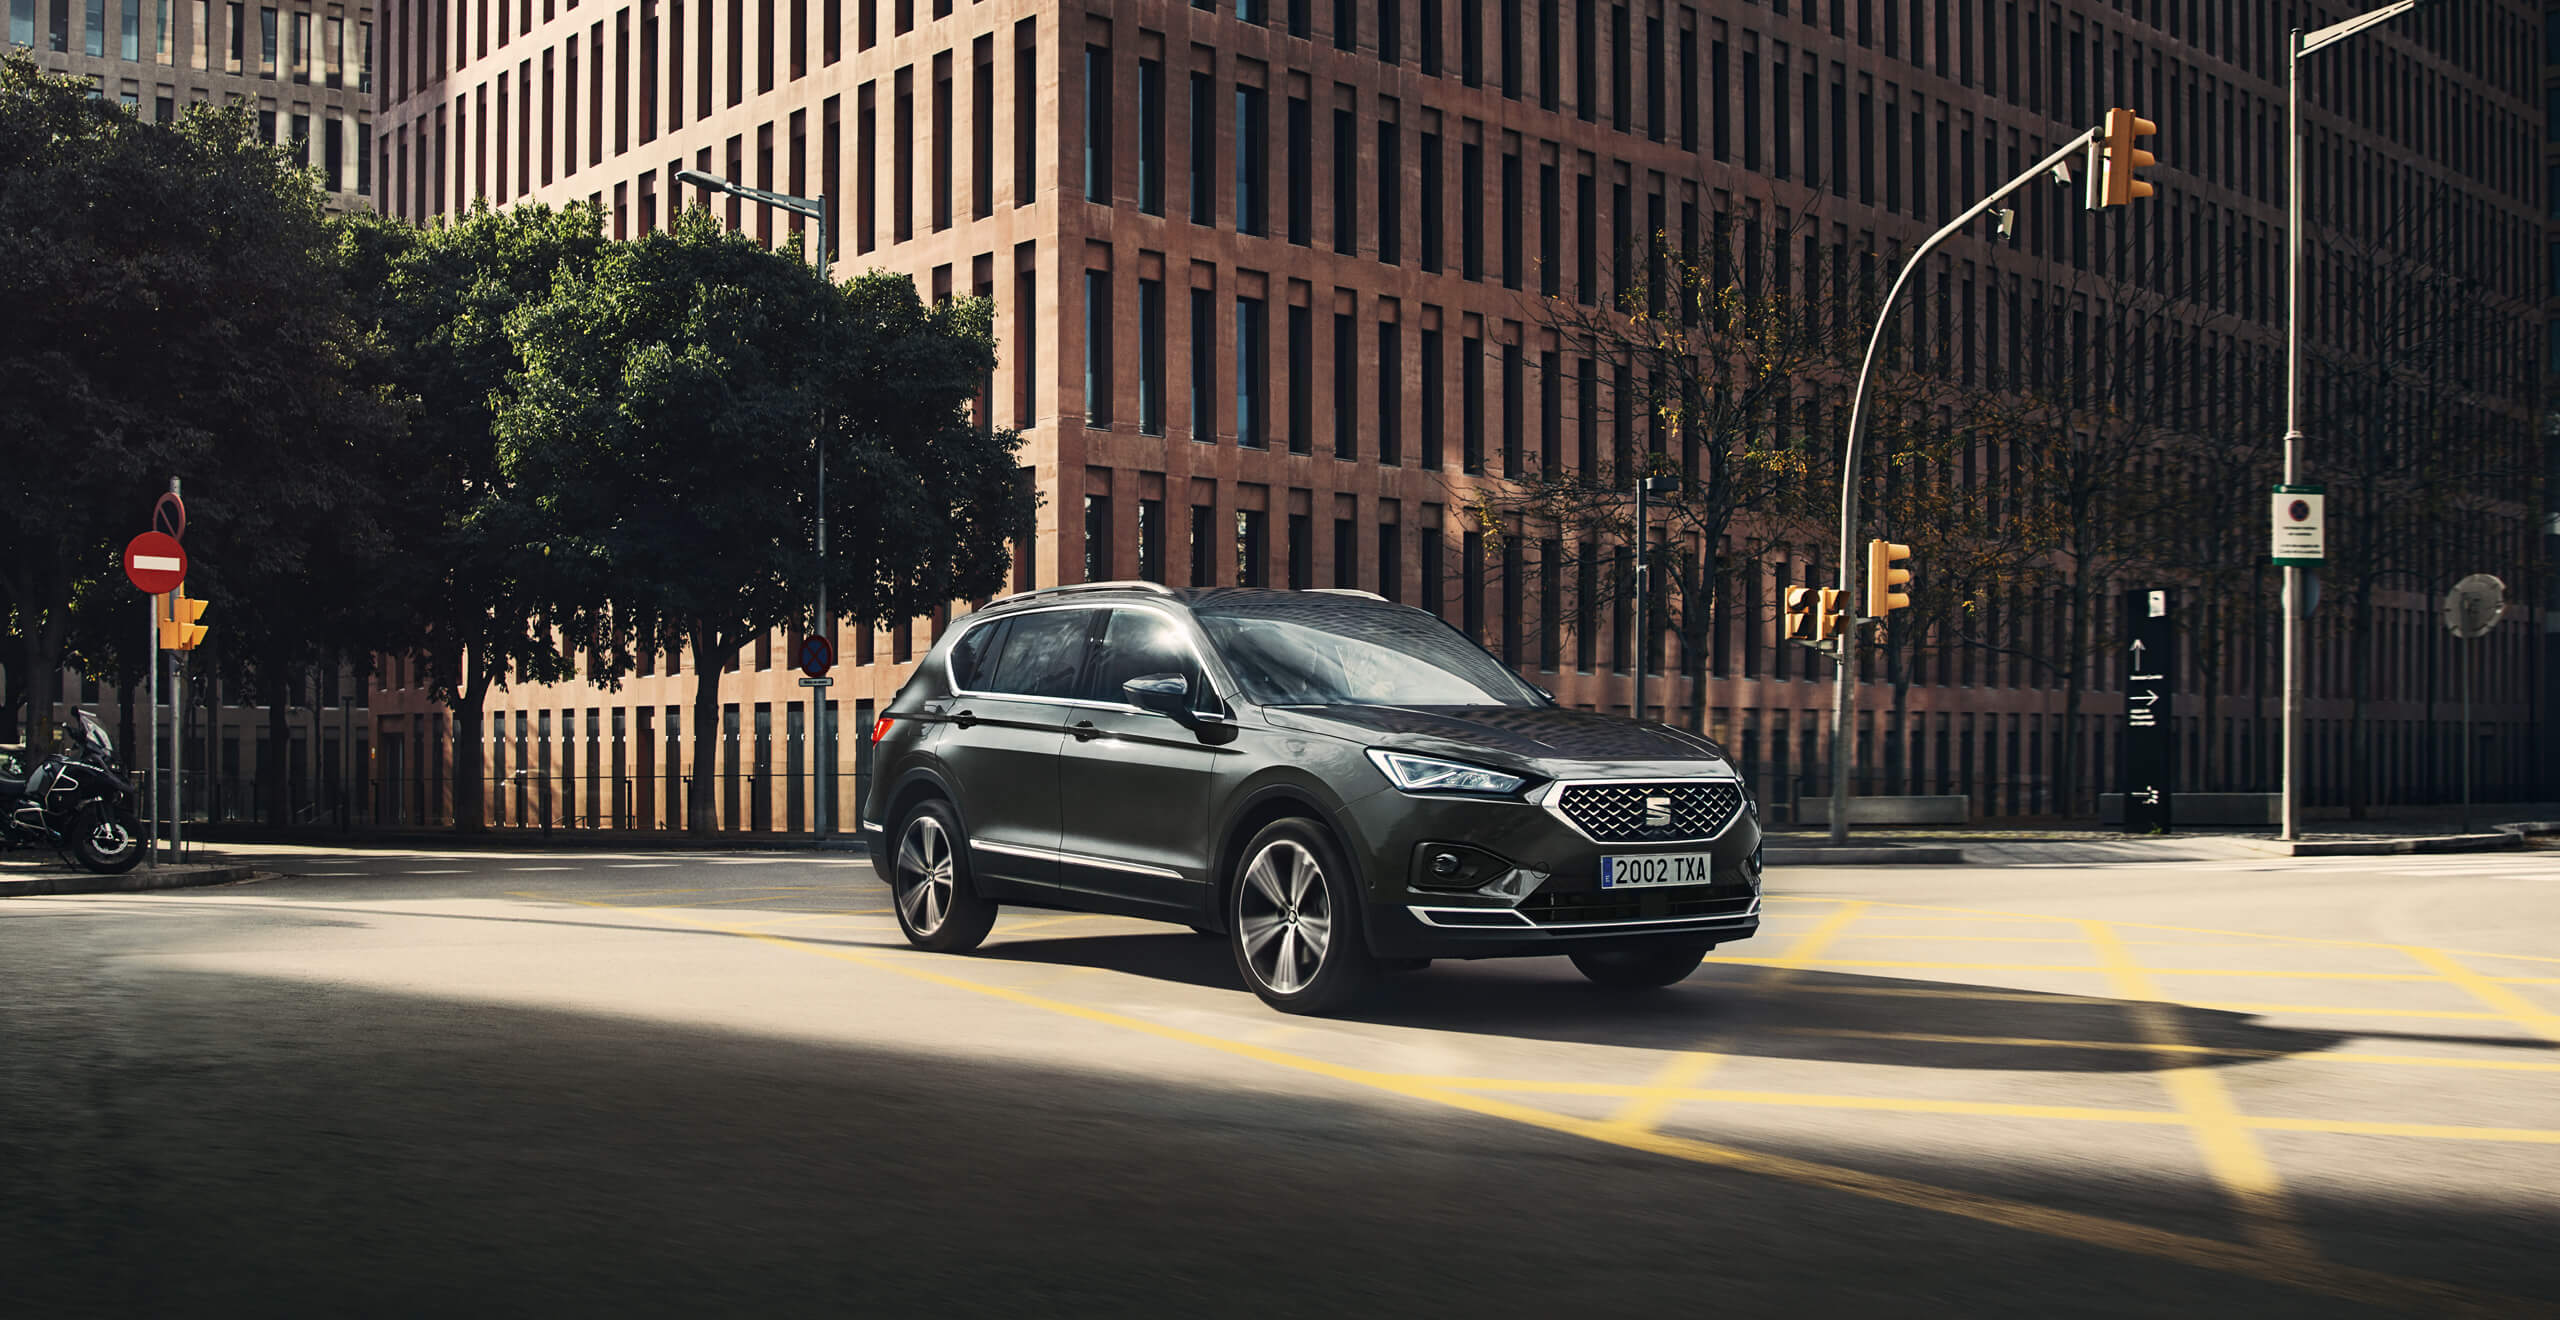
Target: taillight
{"points": [[880, 728]]}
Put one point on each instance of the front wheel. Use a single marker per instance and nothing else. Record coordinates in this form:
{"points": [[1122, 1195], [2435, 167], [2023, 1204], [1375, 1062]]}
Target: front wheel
{"points": [[1643, 966], [103, 841], [937, 901], [1294, 918]]}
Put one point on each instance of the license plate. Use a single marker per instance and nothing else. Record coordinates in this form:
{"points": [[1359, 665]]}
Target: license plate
{"points": [[1657, 869]]}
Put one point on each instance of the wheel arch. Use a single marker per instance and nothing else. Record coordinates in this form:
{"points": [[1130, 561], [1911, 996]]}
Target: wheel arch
{"points": [[1260, 807]]}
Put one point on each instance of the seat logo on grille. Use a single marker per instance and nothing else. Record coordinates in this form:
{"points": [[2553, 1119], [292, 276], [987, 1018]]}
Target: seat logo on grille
{"points": [[1657, 811]]}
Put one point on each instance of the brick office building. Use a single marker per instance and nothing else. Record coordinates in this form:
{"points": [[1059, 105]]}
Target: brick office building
{"points": [[1269, 275]]}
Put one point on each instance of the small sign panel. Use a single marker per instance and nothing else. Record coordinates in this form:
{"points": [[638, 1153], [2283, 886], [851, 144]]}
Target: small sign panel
{"points": [[2299, 519], [2149, 741]]}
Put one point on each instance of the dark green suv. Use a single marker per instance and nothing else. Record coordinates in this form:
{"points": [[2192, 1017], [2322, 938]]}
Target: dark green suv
{"points": [[1337, 784]]}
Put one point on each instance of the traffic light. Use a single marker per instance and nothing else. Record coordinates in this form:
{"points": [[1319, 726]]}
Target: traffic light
{"points": [[1798, 625], [2123, 157], [179, 630], [1884, 579], [1831, 622]]}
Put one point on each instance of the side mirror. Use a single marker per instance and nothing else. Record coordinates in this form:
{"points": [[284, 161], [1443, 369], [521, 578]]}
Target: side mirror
{"points": [[1162, 694]]}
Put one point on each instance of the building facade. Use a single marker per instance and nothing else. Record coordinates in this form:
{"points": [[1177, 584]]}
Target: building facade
{"points": [[1272, 283], [305, 67]]}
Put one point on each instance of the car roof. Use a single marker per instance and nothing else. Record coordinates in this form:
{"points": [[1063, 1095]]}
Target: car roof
{"points": [[1128, 592]]}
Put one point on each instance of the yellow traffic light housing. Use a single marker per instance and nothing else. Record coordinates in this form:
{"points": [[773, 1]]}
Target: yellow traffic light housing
{"points": [[1885, 578], [2123, 157], [1831, 621], [179, 630], [1797, 626]]}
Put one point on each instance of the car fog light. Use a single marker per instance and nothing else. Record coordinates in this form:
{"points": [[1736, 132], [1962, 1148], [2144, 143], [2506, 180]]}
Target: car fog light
{"points": [[1444, 864]]}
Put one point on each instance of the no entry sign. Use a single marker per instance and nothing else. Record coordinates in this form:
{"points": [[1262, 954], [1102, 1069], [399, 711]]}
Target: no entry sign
{"points": [[155, 562]]}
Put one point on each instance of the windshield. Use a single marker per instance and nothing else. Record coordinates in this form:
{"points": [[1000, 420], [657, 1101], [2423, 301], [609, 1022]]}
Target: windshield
{"points": [[1290, 649], [94, 732]]}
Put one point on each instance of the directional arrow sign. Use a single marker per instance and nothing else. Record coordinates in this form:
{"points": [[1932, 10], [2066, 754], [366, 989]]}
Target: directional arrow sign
{"points": [[2149, 747], [2146, 698]]}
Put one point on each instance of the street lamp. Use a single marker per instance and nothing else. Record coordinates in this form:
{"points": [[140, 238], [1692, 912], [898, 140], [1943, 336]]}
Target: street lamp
{"points": [[2297, 601], [815, 208]]}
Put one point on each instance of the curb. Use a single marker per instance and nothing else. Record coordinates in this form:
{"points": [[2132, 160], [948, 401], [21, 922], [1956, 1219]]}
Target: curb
{"points": [[511, 839], [1876, 855], [136, 880], [2505, 837]]}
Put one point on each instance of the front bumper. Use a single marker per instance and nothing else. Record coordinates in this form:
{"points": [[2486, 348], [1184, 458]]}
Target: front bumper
{"points": [[1543, 894]]}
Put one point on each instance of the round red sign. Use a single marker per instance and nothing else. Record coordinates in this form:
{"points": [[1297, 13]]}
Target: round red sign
{"points": [[156, 562]]}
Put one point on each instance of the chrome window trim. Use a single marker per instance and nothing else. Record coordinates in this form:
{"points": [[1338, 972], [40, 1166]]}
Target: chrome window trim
{"points": [[1552, 798], [1429, 916]]}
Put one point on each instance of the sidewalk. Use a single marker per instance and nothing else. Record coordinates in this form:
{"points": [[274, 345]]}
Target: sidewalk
{"points": [[515, 839], [38, 874]]}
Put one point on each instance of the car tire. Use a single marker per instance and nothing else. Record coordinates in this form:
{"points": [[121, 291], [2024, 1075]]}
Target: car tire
{"points": [[930, 886], [1293, 913], [1642, 966], [103, 840]]}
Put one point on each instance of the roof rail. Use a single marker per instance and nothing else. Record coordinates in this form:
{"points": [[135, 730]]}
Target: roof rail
{"points": [[1075, 587], [1347, 591]]}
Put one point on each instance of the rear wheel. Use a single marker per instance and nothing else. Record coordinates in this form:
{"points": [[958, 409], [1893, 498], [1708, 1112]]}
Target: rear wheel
{"points": [[103, 841], [1642, 966], [1294, 919], [938, 905]]}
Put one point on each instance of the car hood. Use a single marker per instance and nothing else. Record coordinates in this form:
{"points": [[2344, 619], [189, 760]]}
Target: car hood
{"points": [[1546, 740]]}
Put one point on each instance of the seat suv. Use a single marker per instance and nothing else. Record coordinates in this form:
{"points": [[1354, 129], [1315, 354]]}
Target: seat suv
{"points": [[1335, 784]]}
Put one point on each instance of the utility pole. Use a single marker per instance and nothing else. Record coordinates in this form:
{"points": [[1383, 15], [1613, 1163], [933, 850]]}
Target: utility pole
{"points": [[1648, 485]]}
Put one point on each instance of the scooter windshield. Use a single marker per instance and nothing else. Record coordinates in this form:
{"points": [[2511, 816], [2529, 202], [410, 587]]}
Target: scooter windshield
{"points": [[94, 732]]}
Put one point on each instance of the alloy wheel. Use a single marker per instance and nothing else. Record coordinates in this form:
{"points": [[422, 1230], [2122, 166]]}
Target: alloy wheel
{"points": [[110, 838], [1286, 917], [925, 875]]}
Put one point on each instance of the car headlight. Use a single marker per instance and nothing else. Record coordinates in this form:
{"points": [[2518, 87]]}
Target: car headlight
{"points": [[1427, 774]]}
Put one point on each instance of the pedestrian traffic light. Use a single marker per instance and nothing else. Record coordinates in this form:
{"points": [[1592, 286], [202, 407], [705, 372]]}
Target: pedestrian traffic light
{"points": [[1885, 579], [1798, 624], [179, 630], [2123, 157]]}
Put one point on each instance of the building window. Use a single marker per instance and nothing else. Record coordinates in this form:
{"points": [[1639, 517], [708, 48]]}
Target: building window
{"points": [[1346, 553], [1204, 558], [1151, 136], [1026, 111], [1302, 374], [1550, 410], [1512, 387], [1689, 89], [1550, 602], [1252, 355], [1471, 583], [1390, 194], [1621, 71], [1391, 561], [1097, 124], [1302, 552], [1391, 31], [1252, 546], [1432, 395], [1512, 202], [1346, 385], [1586, 58], [1204, 149], [1346, 24], [1097, 538], [1432, 554], [1151, 357], [1586, 220], [1471, 404], [1390, 394], [1301, 168], [1653, 99], [1430, 23], [1432, 192], [1097, 348], [1471, 211], [1151, 540], [1471, 42], [1346, 184], [1550, 232], [1253, 172], [1204, 365]]}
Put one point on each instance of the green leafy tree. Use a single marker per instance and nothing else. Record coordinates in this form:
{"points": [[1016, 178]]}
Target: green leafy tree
{"points": [[473, 584], [175, 308], [664, 420]]}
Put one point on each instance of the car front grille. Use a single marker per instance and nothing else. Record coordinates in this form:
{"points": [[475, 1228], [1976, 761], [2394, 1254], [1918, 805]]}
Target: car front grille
{"points": [[1618, 812], [1582, 909]]}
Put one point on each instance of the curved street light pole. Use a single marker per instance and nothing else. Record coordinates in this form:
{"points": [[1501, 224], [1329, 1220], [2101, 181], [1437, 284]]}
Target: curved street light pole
{"points": [[1844, 691], [815, 208]]}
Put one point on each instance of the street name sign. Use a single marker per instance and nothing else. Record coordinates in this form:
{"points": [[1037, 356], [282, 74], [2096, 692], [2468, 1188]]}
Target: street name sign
{"points": [[155, 562], [817, 682], [2150, 739], [2300, 520]]}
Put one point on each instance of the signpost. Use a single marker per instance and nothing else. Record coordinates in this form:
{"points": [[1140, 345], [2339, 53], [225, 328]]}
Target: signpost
{"points": [[156, 564], [817, 656], [2300, 517], [2471, 609], [2150, 734]]}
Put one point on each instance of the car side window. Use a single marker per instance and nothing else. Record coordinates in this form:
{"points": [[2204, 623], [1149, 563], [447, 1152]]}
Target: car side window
{"points": [[1042, 656], [1136, 643], [973, 656]]}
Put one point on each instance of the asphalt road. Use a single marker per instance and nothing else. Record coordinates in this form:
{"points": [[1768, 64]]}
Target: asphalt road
{"points": [[683, 1084]]}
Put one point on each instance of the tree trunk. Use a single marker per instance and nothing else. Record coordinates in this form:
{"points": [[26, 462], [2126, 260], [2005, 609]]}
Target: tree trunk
{"points": [[471, 748], [2075, 687], [2360, 695], [276, 765], [1693, 648], [708, 661]]}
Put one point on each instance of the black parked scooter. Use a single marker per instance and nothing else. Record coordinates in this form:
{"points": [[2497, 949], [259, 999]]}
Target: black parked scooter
{"points": [[74, 802]]}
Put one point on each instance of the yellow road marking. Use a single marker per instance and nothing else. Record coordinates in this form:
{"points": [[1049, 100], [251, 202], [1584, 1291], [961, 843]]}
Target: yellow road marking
{"points": [[2488, 990], [820, 916], [2305, 1056], [1902, 964], [2321, 1278], [1687, 1069], [2003, 915], [2334, 1010], [2230, 1153]]}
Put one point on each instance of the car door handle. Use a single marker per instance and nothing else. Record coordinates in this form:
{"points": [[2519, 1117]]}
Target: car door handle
{"points": [[1085, 732], [964, 719]]}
